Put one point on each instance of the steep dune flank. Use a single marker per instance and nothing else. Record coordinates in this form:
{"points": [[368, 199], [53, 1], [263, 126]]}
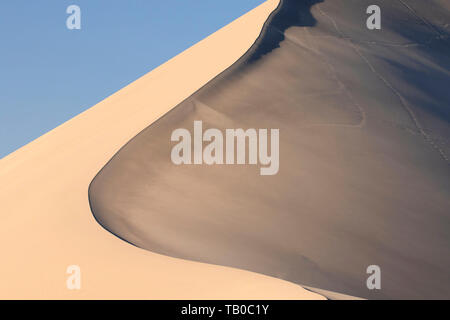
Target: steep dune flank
{"points": [[45, 219], [364, 146]]}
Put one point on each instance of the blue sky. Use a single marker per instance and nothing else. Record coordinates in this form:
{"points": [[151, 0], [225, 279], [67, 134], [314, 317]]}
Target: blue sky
{"points": [[48, 74]]}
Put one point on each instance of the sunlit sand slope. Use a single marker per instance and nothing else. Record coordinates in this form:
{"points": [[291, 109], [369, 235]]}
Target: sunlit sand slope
{"points": [[45, 219], [364, 156]]}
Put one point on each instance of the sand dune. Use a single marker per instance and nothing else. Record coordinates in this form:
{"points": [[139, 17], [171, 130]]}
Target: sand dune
{"points": [[45, 220], [364, 156]]}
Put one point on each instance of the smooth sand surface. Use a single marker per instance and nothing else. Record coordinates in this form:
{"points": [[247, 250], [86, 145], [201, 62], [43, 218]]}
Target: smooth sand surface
{"points": [[364, 146], [45, 220]]}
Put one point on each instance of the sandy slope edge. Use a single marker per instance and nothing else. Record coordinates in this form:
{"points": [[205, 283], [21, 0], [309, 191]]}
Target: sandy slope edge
{"points": [[46, 223]]}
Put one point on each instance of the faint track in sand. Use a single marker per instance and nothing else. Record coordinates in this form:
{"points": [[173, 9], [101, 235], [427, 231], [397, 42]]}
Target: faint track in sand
{"points": [[403, 101], [341, 85]]}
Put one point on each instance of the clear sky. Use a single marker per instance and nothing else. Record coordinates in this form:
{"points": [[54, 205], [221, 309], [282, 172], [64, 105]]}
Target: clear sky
{"points": [[48, 73]]}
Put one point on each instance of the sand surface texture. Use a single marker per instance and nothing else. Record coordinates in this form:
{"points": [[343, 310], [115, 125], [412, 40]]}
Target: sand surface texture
{"points": [[364, 173], [45, 220]]}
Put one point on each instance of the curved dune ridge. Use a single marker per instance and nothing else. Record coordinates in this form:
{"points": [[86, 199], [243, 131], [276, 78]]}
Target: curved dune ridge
{"points": [[364, 173], [45, 220]]}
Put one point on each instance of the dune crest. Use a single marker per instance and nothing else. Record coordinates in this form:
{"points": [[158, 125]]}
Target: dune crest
{"points": [[364, 146], [46, 222]]}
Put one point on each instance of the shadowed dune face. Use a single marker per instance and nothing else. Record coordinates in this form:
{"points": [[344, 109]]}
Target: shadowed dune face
{"points": [[290, 13], [364, 173]]}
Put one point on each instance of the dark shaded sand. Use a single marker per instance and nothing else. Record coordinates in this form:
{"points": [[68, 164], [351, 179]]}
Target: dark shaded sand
{"points": [[364, 146]]}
